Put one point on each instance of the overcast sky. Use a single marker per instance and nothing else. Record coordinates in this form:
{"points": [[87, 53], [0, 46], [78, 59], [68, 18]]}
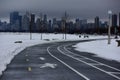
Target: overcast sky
{"points": [[84, 9]]}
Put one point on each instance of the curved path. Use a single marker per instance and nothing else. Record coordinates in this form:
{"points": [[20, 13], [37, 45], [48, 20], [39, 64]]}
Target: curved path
{"points": [[59, 61]]}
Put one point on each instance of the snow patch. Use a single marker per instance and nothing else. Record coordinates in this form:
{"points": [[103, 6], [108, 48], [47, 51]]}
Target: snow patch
{"points": [[48, 65], [42, 58], [101, 49]]}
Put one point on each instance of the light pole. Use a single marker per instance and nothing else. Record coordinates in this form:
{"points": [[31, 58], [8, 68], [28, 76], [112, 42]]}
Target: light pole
{"points": [[66, 21], [109, 13], [30, 26], [41, 17]]}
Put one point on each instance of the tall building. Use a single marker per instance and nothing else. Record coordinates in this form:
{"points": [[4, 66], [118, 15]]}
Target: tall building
{"points": [[119, 25], [32, 23], [20, 22], [0, 23], [45, 24], [119, 19], [38, 25], [54, 22], [45, 18], [77, 25], [114, 23], [50, 26], [84, 21], [71, 27], [13, 17], [15, 21], [54, 25], [97, 24], [83, 25], [114, 20], [25, 23]]}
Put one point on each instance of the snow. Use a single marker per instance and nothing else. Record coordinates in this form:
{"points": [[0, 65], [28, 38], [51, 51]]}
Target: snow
{"points": [[49, 65], [101, 49], [8, 49], [42, 58]]}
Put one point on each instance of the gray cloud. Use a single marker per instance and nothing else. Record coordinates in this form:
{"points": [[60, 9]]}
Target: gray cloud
{"points": [[55, 8]]}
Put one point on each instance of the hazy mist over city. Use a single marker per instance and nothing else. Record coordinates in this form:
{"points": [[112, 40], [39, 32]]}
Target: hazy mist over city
{"points": [[84, 9]]}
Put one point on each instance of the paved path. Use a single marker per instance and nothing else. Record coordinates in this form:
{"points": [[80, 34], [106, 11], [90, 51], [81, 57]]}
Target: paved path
{"points": [[59, 61]]}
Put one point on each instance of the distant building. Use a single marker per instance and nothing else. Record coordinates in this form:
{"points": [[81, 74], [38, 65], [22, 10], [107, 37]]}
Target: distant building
{"points": [[91, 27], [54, 21], [32, 23], [0, 23], [71, 27], [119, 25], [84, 21], [25, 23], [114, 20], [114, 23], [45, 23], [13, 17], [97, 24], [77, 25], [83, 25], [38, 25], [45, 18], [55, 25], [15, 21], [59, 25], [50, 26], [119, 19]]}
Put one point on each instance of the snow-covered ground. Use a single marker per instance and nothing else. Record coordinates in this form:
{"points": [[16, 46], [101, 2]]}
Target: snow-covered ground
{"points": [[101, 49], [8, 49]]}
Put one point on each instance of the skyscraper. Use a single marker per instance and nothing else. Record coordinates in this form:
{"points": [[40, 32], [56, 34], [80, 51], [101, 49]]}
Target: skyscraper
{"points": [[50, 26], [45, 18], [45, 24], [0, 22], [114, 23], [83, 21], [38, 25], [77, 25], [25, 23], [119, 24], [13, 17], [119, 19], [54, 22], [114, 20], [97, 24], [32, 23], [15, 21], [54, 25]]}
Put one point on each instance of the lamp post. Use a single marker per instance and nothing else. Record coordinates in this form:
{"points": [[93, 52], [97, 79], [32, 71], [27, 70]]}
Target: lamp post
{"points": [[109, 13], [66, 21], [41, 18], [30, 27]]}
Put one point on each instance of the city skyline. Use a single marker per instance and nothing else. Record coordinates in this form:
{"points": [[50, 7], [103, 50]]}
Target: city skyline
{"points": [[84, 9], [50, 18], [28, 23]]}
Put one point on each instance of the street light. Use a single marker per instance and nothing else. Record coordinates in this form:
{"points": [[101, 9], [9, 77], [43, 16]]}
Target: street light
{"points": [[109, 13], [41, 18], [66, 21]]}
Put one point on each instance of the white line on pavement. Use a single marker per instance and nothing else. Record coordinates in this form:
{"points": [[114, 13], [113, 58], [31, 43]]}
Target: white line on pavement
{"points": [[88, 64], [114, 72], [67, 65], [93, 60]]}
